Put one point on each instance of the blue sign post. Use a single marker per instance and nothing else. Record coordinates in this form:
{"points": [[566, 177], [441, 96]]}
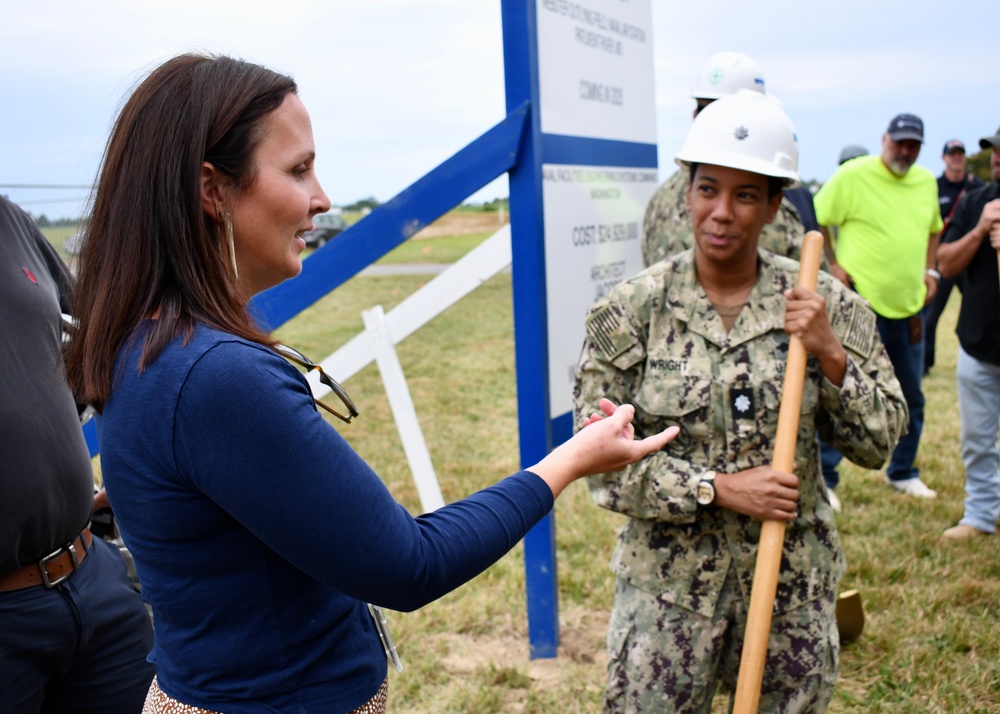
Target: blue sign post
{"points": [[586, 167]]}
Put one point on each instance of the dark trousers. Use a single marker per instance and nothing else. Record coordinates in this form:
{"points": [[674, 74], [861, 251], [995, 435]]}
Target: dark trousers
{"points": [[78, 647], [932, 313], [829, 459], [907, 357]]}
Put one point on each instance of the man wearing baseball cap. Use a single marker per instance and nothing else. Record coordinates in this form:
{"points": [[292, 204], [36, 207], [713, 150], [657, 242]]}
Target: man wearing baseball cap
{"points": [[851, 151], [952, 184], [955, 178], [969, 246], [886, 211]]}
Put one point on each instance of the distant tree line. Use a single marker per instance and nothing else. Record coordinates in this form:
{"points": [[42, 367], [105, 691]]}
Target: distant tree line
{"points": [[371, 203], [487, 206], [42, 221], [979, 165]]}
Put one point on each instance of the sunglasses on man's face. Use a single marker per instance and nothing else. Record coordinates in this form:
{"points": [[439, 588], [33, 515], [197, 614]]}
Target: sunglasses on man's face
{"points": [[293, 355]]}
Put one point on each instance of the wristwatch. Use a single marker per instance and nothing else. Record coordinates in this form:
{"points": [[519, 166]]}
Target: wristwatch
{"points": [[706, 489], [933, 273]]}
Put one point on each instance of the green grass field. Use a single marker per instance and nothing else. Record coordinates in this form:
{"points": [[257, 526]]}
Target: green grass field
{"points": [[446, 249], [57, 236], [932, 636]]}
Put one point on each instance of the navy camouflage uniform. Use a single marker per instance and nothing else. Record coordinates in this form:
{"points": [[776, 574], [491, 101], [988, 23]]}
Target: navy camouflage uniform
{"points": [[685, 571]]}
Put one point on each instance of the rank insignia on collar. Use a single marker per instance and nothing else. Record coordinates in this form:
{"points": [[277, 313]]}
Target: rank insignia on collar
{"points": [[741, 401]]}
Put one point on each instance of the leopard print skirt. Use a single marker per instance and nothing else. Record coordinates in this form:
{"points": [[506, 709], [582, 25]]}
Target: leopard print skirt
{"points": [[158, 702]]}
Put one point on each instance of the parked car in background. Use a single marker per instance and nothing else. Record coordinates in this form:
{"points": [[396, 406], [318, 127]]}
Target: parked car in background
{"points": [[327, 225]]}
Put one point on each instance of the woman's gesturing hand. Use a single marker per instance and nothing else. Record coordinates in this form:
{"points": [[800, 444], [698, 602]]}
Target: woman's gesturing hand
{"points": [[605, 443]]}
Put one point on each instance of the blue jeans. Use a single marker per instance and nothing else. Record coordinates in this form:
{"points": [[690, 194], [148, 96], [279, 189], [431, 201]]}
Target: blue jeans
{"points": [[78, 647], [979, 411], [908, 362], [829, 459]]}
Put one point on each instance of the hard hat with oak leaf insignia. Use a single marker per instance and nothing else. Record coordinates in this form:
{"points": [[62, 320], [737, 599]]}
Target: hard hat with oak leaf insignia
{"points": [[744, 131]]}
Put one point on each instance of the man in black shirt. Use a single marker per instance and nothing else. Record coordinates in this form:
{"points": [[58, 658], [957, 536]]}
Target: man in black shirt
{"points": [[951, 185], [970, 246], [74, 635]]}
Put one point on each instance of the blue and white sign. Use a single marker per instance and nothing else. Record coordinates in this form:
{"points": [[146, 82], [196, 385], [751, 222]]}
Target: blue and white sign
{"points": [[586, 170], [593, 225], [595, 69]]}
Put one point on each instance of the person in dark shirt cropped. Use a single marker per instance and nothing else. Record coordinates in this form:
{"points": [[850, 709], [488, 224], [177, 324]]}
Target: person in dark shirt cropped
{"points": [[970, 246], [954, 182], [74, 635]]}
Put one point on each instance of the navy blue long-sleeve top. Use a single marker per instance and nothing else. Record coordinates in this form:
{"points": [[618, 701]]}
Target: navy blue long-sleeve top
{"points": [[259, 534]]}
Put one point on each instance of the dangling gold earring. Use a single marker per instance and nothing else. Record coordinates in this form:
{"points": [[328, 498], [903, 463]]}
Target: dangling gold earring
{"points": [[227, 221]]}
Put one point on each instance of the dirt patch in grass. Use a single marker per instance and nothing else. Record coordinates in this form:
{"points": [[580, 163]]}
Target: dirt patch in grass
{"points": [[582, 636], [460, 223]]}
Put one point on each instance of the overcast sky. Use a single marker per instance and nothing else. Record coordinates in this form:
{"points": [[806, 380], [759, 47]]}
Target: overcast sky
{"points": [[396, 86]]}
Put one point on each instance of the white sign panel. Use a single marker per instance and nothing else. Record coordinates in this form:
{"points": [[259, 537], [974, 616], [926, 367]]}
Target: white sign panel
{"points": [[595, 69], [593, 229]]}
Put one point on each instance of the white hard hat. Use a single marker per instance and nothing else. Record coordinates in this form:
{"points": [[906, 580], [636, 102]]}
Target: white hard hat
{"points": [[744, 131], [727, 73]]}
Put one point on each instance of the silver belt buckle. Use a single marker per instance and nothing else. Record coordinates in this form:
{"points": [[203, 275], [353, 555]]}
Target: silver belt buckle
{"points": [[382, 626], [43, 565]]}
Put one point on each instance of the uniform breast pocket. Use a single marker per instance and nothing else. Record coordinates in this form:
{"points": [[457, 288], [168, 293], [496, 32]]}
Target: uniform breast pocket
{"points": [[676, 401], [773, 396]]}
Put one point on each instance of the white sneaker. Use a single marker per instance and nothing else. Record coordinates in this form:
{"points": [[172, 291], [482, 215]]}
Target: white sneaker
{"points": [[963, 531], [912, 487], [834, 501]]}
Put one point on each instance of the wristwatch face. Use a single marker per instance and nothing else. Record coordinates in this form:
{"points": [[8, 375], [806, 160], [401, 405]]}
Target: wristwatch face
{"points": [[706, 493]]}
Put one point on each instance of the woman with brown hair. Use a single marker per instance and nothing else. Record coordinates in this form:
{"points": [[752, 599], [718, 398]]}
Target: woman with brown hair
{"points": [[259, 535]]}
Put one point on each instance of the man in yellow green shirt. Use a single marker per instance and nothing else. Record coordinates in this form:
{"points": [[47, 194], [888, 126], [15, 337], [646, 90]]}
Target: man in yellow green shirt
{"points": [[886, 211]]}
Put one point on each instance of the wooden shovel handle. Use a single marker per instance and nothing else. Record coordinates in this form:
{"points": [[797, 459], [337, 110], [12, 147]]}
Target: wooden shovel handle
{"points": [[772, 533]]}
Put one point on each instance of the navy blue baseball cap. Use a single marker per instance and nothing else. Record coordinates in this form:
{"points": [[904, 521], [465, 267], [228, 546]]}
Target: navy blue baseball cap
{"points": [[953, 146], [906, 126]]}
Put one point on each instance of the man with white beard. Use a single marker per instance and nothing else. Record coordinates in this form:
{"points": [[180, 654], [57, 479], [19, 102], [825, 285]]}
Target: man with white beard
{"points": [[886, 211]]}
